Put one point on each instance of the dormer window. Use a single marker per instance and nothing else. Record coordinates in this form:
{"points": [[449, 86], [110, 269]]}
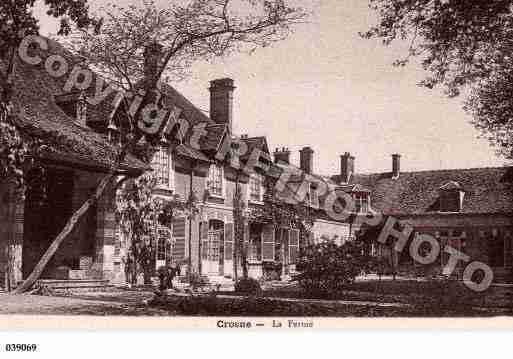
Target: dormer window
{"points": [[451, 197], [161, 164], [361, 202], [313, 196]]}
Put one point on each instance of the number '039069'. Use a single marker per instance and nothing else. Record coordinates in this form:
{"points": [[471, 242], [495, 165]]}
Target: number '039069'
{"points": [[20, 347]]}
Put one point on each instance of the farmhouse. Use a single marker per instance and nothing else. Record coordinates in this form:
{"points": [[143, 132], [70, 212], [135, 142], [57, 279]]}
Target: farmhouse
{"points": [[468, 209], [84, 136]]}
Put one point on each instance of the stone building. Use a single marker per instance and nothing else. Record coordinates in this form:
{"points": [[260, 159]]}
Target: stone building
{"points": [[77, 159], [206, 241], [469, 209]]}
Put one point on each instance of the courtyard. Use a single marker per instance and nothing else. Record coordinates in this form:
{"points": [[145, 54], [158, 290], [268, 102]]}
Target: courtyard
{"points": [[386, 298]]}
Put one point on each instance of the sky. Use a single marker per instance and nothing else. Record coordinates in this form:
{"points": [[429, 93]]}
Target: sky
{"points": [[327, 88]]}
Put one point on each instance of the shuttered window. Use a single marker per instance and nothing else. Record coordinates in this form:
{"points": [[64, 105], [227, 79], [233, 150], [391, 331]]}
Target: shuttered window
{"points": [[268, 243], [293, 245], [228, 241], [164, 244], [178, 251], [255, 244]]}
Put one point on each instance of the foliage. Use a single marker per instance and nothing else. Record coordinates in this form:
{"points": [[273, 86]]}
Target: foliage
{"points": [[18, 150], [238, 223], [17, 19], [248, 286], [138, 211], [195, 280], [383, 259], [195, 30], [13, 152], [249, 306], [115, 46], [459, 43], [326, 267]]}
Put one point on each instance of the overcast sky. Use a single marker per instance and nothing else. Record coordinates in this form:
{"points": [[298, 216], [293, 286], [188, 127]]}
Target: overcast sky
{"points": [[327, 88]]}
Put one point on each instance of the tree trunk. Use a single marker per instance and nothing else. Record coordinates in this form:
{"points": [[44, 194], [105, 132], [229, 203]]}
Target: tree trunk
{"points": [[245, 274], [10, 282], [68, 228], [235, 260]]}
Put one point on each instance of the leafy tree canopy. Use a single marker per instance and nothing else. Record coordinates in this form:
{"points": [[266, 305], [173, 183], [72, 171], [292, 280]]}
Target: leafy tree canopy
{"points": [[185, 32], [461, 43]]}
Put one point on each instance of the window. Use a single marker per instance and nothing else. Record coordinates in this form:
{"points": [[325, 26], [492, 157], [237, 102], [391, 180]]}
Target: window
{"points": [[361, 202], [314, 196], [163, 244], [278, 239], [215, 181], [255, 243], [495, 249], [450, 201], [256, 187], [161, 164]]}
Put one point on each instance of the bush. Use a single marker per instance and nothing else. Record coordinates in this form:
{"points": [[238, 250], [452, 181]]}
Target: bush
{"points": [[248, 286], [195, 280], [325, 268]]}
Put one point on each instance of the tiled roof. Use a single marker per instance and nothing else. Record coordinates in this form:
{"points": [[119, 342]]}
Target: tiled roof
{"points": [[37, 113], [259, 142], [188, 151], [487, 190], [190, 112], [212, 140]]}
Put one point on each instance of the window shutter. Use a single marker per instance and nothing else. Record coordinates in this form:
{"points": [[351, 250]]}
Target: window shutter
{"points": [[293, 245], [285, 244], [268, 243], [311, 237], [228, 242], [179, 238], [204, 238], [246, 238]]}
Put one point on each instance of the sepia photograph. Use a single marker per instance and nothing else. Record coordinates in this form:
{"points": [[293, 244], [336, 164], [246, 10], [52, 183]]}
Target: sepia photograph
{"points": [[246, 164]]}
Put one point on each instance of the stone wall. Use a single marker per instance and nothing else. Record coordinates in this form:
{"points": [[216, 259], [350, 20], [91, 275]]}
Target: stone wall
{"points": [[11, 231]]}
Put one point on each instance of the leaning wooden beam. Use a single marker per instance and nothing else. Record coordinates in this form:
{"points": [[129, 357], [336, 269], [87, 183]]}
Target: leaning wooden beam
{"points": [[68, 228]]}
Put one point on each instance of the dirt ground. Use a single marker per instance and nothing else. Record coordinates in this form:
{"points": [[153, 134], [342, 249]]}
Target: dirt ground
{"points": [[100, 304]]}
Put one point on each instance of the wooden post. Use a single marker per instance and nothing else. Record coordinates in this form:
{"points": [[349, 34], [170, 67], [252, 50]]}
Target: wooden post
{"points": [[68, 228]]}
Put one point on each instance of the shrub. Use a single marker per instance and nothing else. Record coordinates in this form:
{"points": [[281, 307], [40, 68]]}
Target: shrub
{"points": [[248, 286], [195, 280], [325, 268]]}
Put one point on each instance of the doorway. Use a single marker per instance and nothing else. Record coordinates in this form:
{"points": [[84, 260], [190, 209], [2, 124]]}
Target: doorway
{"points": [[213, 249], [48, 206]]}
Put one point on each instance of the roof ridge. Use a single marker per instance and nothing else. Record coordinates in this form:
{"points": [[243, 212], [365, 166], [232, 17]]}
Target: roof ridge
{"points": [[439, 170]]}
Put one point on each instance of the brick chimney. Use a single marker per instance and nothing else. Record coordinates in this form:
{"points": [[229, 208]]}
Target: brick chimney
{"points": [[152, 58], [306, 159], [282, 155], [396, 165], [346, 167], [221, 101]]}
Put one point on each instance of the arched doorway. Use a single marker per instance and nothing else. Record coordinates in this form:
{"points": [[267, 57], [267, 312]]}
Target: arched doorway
{"points": [[212, 248]]}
